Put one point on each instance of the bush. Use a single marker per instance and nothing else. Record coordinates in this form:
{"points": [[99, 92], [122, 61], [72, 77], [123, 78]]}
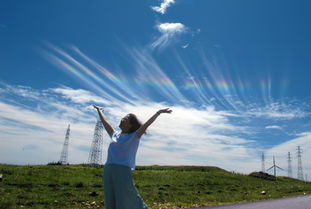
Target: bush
{"points": [[263, 175], [57, 163], [79, 185]]}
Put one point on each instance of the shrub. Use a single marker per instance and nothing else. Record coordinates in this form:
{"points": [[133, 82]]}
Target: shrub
{"points": [[263, 175], [79, 185], [55, 163]]}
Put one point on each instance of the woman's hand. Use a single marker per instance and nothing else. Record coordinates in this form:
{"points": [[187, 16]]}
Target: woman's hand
{"points": [[98, 108], [144, 127], [166, 110], [106, 124]]}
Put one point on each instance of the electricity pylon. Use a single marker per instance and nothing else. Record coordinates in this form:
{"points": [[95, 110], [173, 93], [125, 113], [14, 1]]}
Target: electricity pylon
{"points": [[64, 154], [95, 156], [289, 170], [300, 173]]}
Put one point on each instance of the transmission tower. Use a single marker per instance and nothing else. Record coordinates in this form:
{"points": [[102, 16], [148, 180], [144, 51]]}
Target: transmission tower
{"points": [[64, 154], [275, 167], [263, 169], [95, 156], [300, 173], [289, 170]]}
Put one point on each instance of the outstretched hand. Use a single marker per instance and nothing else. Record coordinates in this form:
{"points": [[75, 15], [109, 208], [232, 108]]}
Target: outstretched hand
{"points": [[166, 110], [98, 108]]}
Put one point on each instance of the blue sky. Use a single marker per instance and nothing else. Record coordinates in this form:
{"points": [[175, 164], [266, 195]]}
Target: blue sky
{"points": [[235, 73]]}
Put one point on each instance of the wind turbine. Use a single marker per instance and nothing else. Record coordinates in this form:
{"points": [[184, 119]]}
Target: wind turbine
{"points": [[275, 166]]}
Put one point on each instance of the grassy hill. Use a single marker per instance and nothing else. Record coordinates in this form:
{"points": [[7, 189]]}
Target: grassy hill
{"points": [[79, 186]]}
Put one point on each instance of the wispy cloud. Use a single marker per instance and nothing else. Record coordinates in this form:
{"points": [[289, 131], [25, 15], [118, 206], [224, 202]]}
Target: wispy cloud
{"points": [[169, 33], [148, 72], [67, 62], [180, 140], [196, 136], [274, 127], [211, 123], [184, 46], [79, 95], [163, 6], [276, 110], [39, 122], [64, 105]]}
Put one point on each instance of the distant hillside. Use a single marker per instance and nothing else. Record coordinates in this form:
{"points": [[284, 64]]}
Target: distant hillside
{"points": [[79, 186]]}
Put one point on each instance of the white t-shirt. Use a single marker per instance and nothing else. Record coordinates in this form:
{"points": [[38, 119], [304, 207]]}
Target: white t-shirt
{"points": [[123, 148]]}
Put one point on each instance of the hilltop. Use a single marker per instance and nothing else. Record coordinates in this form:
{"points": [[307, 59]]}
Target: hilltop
{"points": [[80, 186]]}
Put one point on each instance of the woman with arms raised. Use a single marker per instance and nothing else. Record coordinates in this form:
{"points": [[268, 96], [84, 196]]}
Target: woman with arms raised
{"points": [[119, 190]]}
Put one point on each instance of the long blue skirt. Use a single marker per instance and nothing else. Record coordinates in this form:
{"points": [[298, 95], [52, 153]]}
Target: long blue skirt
{"points": [[119, 189]]}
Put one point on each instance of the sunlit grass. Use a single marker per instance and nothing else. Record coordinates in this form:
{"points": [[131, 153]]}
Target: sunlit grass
{"points": [[79, 186]]}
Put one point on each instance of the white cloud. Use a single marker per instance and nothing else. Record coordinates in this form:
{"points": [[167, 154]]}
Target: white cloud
{"points": [[23, 91], [273, 127], [163, 6], [185, 46], [169, 32], [192, 134], [79, 95], [278, 111], [189, 132], [280, 152], [96, 77], [45, 130], [171, 28]]}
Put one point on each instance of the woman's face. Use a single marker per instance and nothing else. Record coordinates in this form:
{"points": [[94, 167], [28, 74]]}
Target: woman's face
{"points": [[125, 125]]}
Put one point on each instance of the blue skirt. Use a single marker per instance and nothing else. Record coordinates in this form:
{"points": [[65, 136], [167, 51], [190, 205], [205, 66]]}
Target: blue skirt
{"points": [[119, 189]]}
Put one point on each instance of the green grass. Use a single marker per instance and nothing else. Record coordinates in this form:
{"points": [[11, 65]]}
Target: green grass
{"points": [[79, 186]]}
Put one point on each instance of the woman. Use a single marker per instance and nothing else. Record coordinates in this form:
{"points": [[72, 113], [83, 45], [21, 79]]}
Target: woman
{"points": [[119, 190]]}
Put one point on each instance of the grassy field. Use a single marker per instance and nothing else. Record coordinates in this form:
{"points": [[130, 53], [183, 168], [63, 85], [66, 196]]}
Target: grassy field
{"points": [[79, 186]]}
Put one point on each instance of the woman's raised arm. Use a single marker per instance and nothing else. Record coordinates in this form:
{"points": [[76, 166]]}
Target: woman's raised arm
{"points": [[144, 127], [107, 126]]}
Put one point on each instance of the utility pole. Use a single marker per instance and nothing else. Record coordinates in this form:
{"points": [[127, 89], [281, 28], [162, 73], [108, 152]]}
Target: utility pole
{"points": [[300, 173], [275, 167], [263, 162], [95, 156], [289, 170], [64, 155]]}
